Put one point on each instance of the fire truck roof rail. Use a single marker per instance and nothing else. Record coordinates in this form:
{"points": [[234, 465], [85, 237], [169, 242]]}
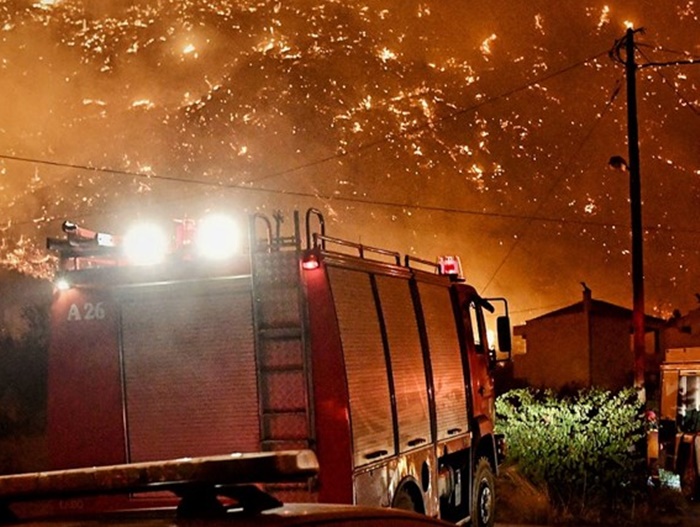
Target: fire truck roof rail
{"points": [[409, 260], [362, 250], [197, 481]]}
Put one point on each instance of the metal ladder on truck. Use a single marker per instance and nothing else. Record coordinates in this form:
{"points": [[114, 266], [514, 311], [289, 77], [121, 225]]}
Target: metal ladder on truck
{"points": [[279, 317]]}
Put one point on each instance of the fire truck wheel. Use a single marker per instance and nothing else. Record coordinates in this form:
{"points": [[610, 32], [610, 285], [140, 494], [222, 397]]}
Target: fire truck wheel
{"points": [[484, 508]]}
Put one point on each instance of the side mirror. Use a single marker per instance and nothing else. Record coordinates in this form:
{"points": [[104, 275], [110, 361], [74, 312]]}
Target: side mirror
{"points": [[503, 333], [503, 330]]}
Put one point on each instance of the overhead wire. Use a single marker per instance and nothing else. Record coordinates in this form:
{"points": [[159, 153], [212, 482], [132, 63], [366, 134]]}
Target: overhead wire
{"points": [[246, 186], [359, 148], [664, 49], [468, 212], [529, 218], [563, 173], [666, 81], [614, 54], [438, 120]]}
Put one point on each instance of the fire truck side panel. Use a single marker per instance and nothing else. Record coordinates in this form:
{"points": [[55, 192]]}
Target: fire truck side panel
{"points": [[391, 442], [445, 361], [448, 381], [365, 365], [330, 392], [406, 357], [189, 369], [85, 418], [415, 468], [407, 331]]}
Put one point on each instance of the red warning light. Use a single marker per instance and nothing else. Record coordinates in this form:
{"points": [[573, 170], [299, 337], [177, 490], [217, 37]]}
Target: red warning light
{"points": [[450, 265], [310, 262]]}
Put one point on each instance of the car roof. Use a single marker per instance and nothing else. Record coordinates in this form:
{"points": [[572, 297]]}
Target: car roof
{"points": [[215, 491], [299, 514], [288, 515]]}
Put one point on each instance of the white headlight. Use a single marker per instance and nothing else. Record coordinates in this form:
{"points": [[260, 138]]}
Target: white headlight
{"points": [[217, 237], [145, 244], [62, 284]]}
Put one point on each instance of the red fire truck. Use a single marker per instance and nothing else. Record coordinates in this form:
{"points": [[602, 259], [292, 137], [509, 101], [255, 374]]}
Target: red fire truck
{"points": [[379, 364]]}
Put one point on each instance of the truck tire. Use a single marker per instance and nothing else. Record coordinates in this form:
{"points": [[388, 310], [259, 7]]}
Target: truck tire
{"points": [[484, 499]]}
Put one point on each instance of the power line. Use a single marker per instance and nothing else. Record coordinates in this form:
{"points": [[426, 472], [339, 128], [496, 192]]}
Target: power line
{"points": [[563, 173], [657, 47], [539, 308], [106, 170], [615, 55], [460, 211], [651, 64], [245, 185], [450, 117], [670, 85]]}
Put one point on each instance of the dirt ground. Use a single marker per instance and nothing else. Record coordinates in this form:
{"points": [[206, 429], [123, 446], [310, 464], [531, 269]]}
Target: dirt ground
{"points": [[521, 504], [691, 516]]}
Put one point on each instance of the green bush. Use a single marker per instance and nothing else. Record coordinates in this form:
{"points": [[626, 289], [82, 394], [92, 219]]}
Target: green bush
{"points": [[587, 449]]}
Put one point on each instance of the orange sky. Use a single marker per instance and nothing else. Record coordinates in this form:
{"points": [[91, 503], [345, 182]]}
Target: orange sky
{"points": [[424, 127]]}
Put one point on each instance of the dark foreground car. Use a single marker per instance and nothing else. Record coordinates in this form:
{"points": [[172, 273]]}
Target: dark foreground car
{"points": [[297, 515], [220, 491]]}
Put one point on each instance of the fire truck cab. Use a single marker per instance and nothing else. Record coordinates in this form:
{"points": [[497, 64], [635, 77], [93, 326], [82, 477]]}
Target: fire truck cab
{"points": [[381, 365]]}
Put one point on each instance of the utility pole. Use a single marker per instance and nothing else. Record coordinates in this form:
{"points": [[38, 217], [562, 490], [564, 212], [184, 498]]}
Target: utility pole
{"points": [[631, 68], [627, 42], [636, 212]]}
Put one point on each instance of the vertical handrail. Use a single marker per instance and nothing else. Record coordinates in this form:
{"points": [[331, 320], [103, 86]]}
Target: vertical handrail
{"points": [[297, 233], [322, 225], [253, 232]]}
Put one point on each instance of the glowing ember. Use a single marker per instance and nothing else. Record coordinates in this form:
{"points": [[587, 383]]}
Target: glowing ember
{"points": [[486, 45]]}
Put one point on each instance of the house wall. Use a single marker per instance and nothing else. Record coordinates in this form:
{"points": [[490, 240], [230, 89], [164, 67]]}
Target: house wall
{"points": [[684, 332], [557, 352], [613, 358]]}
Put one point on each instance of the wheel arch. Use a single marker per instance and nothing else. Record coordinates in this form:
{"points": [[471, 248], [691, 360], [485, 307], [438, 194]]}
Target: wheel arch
{"points": [[410, 487]]}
